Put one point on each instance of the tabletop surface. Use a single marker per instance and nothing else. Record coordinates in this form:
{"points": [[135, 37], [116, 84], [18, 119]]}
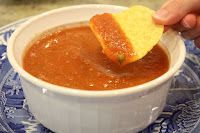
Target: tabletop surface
{"points": [[12, 10]]}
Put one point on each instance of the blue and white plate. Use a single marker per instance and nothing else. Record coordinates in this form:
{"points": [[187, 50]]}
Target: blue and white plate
{"points": [[181, 113]]}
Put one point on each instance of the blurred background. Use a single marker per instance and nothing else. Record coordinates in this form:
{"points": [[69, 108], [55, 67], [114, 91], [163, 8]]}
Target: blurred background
{"points": [[13, 10]]}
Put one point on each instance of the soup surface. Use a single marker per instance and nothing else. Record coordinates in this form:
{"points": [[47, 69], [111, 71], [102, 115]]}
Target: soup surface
{"points": [[72, 57]]}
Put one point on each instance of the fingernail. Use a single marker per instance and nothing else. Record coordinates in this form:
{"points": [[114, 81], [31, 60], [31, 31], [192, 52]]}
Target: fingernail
{"points": [[186, 25], [161, 14]]}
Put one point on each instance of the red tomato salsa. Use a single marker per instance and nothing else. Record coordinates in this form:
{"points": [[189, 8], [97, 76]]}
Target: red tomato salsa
{"points": [[72, 57]]}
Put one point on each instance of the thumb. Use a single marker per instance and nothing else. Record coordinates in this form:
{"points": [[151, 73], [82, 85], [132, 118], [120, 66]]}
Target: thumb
{"points": [[174, 10]]}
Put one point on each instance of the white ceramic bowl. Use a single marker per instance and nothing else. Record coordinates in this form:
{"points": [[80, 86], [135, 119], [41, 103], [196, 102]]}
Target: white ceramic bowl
{"points": [[77, 111]]}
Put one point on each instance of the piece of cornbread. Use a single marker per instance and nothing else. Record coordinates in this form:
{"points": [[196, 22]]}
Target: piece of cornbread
{"points": [[126, 36]]}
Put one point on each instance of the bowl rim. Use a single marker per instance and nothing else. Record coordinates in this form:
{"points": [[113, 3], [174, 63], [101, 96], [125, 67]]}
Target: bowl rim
{"points": [[138, 90]]}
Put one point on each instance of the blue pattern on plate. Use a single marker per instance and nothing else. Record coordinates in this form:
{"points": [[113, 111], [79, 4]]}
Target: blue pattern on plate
{"points": [[181, 113]]}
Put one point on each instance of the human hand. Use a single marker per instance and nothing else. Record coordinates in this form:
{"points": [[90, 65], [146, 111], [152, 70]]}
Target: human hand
{"points": [[183, 16]]}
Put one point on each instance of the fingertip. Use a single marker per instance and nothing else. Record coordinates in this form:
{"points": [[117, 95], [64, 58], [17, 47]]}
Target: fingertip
{"points": [[189, 21], [158, 20], [164, 17]]}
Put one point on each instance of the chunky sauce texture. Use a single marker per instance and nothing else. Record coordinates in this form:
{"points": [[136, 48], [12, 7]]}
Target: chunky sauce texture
{"points": [[72, 57]]}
